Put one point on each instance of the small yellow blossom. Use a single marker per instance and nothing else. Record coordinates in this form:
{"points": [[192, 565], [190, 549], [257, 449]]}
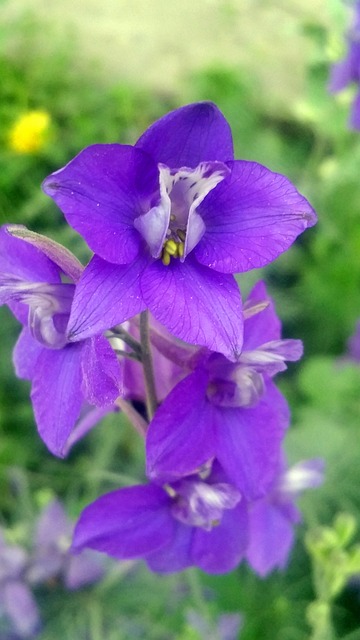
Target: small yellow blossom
{"points": [[30, 131]]}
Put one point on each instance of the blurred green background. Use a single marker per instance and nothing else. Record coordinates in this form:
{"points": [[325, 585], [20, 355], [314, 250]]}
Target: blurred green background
{"points": [[103, 72]]}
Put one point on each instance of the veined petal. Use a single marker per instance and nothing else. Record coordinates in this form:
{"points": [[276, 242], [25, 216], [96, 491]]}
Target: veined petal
{"points": [[101, 191], [127, 523], [248, 441], [56, 395], [102, 375], [106, 295], [180, 437], [251, 218], [189, 135], [196, 304], [263, 326]]}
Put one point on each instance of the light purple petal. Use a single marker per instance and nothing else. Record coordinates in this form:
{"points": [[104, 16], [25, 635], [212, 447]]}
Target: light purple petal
{"points": [[176, 554], [83, 569], [248, 441], [271, 538], [56, 395], [61, 256], [20, 606], [26, 354], [189, 135], [355, 112], [263, 326], [251, 218], [102, 376], [106, 295], [52, 525], [180, 437], [127, 523], [101, 191], [196, 304], [221, 549], [13, 560], [21, 260]]}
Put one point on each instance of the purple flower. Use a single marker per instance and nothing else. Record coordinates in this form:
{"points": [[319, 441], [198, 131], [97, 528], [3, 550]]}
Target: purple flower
{"points": [[16, 600], [227, 626], [37, 281], [354, 345], [50, 556], [194, 521], [231, 411], [169, 221], [348, 70], [272, 519]]}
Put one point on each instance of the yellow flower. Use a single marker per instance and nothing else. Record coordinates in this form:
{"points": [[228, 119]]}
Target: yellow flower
{"points": [[30, 131]]}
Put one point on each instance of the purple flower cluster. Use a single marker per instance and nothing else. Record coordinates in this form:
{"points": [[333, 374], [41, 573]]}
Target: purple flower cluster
{"points": [[156, 318], [48, 560], [347, 71]]}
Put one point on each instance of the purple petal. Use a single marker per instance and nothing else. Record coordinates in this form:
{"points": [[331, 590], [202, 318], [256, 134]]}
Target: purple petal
{"points": [[52, 525], [189, 135], [176, 554], [101, 372], [26, 354], [20, 606], [58, 254], [89, 418], [13, 560], [221, 549], [83, 569], [56, 395], [196, 304], [101, 191], [106, 295], [355, 113], [24, 261], [263, 326], [271, 538], [251, 218], [248, 441], [180, 437], [127, 523]]}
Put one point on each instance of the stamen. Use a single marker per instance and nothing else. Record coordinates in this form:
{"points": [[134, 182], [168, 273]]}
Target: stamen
{"points": [[165, 258], [170, 247], [180, 249], [181, 234]]}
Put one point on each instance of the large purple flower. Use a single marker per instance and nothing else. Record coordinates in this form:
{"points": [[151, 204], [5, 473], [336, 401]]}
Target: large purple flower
{"points": [[231, 411], [170, 220], [347, 71], [191, 522], [66, 378]]}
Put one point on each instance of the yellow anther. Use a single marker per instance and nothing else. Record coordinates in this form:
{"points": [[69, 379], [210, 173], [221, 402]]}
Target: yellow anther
{"points": [[170, 247], [180, 249], [165, 258], [181, 234]]}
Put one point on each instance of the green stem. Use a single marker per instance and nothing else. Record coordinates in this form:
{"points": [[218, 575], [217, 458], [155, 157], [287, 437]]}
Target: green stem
{"points": [[151, 401]]}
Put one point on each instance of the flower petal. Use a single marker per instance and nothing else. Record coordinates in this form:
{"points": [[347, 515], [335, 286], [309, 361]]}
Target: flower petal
{"points": [[25, 355], [248, 441], [196, 304], [127, 523], [82, 570], [19, 605], [106, 295], [263, 326], [102, 375], [101, 191], [189, 135], [221, 549], [251, 218], [56, 395], [271, 538], [176, 554], [180, 437], [61, 256]]}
